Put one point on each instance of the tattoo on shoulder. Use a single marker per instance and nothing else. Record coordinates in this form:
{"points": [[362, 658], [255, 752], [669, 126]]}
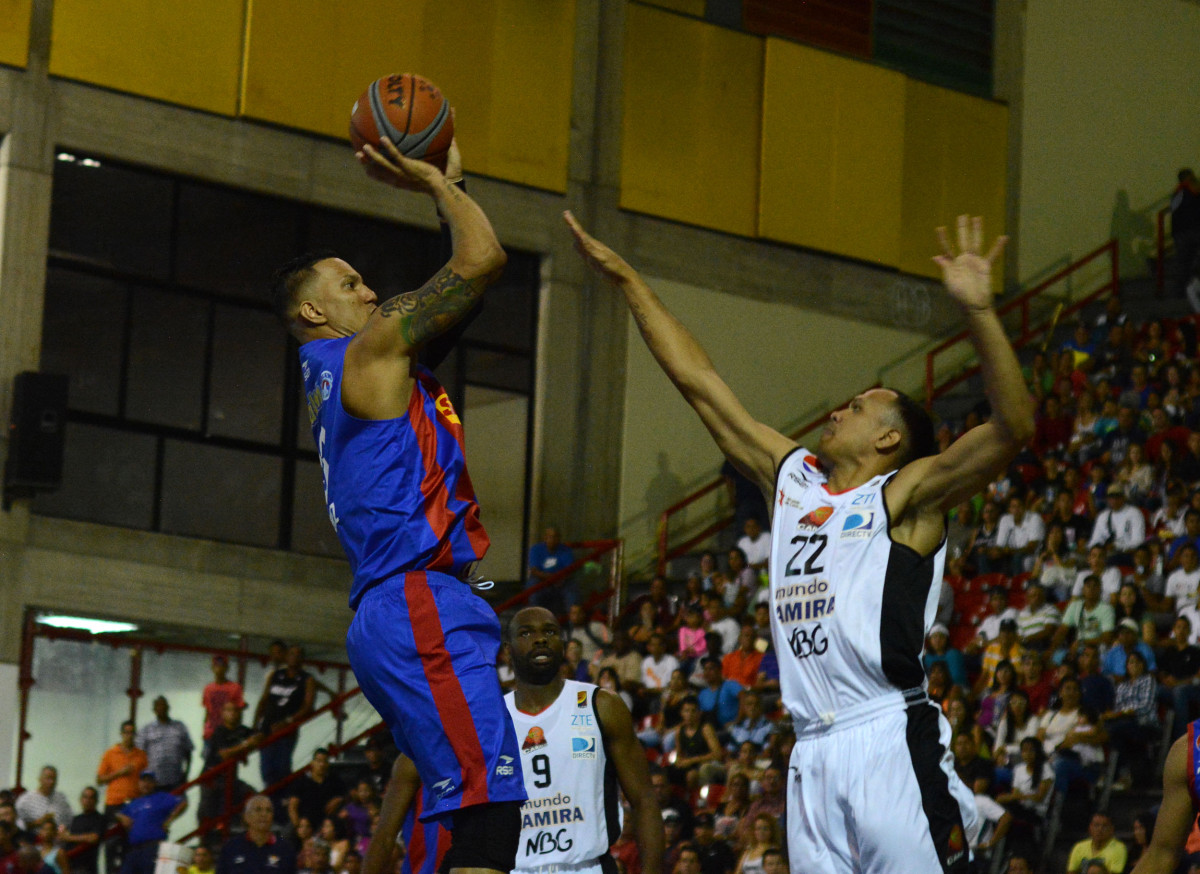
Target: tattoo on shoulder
{"points": [[435, 306]]}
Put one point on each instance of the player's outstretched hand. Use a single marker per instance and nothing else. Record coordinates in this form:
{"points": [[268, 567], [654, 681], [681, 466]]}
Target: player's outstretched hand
{"points": [[967, 273], [598, 256], [391, 167]]}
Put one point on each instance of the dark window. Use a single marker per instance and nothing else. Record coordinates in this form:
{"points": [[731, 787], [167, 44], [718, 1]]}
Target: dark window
{"points": [[185, 409]]}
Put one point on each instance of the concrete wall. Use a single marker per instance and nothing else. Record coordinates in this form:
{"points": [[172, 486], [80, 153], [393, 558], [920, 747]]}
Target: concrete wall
{"points": [[1106, 120]]}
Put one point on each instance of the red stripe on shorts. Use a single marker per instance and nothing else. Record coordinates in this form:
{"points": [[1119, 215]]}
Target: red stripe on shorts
{"points": [[448, 695]]}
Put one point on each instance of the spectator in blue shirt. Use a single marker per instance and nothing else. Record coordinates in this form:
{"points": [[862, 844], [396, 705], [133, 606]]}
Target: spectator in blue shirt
{"points": [[146, 819], [547, 558], [1128, 640], [718, 697], [755, 727]]}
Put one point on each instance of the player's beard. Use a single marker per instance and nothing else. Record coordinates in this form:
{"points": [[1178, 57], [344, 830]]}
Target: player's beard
{"points": [[538, 675]]}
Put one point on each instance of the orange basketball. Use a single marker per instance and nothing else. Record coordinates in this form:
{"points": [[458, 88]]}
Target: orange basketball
{"points": [[410, 111]]}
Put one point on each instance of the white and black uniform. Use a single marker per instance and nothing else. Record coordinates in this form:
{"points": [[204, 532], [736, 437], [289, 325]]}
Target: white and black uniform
{"points": [[573, 814], [871, 783]]}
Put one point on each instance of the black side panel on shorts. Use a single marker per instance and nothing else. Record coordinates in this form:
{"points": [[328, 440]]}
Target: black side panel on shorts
{"points": [[941, 808], [902, 617]]}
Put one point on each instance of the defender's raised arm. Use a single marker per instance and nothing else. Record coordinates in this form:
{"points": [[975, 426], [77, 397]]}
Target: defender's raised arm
{"points": [[755, 448]]}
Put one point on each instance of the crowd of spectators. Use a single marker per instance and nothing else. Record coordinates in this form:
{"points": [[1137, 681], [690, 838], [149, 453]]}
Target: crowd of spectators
{"points": [[142, 777]]}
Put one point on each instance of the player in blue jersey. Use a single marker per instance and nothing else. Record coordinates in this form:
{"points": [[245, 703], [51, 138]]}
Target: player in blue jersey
{"points": [[398, 829], [422, 643], [1180, 804]]}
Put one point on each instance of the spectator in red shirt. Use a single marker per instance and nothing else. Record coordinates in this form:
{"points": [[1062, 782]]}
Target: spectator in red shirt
{"points": [[1034, 681], [741, 665], [217, 693], [1053, 428]]}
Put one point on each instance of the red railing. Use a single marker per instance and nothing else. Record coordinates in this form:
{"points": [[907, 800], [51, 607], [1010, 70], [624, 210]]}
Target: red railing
{"points": [[666, 551], [615, 549], [1160, 248], [1028, 332]]}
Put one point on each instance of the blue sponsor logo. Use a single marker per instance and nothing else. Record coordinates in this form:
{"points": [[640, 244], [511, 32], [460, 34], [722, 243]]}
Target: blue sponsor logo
{"points": [[583, 748], [858, 525]]}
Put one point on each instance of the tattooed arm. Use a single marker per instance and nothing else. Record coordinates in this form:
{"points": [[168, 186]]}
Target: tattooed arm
{"points": [[753, 447], [377, 380]]}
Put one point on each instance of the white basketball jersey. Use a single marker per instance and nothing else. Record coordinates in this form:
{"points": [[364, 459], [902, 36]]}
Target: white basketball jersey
{"points": [[572, 816], [849, 607]]}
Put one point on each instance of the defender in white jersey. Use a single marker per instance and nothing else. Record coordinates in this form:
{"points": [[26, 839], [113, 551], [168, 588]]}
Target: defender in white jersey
{"points": [[577, 743], [858, 544]]}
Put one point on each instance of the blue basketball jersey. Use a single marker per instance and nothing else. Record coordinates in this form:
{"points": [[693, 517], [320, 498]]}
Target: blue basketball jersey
{"points": [[397, 490]]}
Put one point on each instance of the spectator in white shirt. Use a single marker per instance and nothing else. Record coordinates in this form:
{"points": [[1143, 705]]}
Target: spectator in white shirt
{"points": [[998, 611], [721, 623], [657, 666], [1184, 581], [756, 543], [44, 804], [1110, 577], [1020, 535], [1121, 528]]}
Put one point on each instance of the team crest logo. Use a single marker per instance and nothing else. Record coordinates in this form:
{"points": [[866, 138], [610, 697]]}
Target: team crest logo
{"points": [[955, 845], [446, 408], [535, 740], [816, 518], [326, 384], [581, 698], [858, 525], [583, 748], [955, 841]]}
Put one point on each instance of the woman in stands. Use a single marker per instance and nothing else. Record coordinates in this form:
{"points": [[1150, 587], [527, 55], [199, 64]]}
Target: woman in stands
{"points": [[1073, 736], [1132, 724], [1136, 474], [995, 700], [645, 624], [1083, 433], [1130, 603], [764, 836], [734, 804], [1055, 564], [1017, 724], [1029, 797], [335, 833]]}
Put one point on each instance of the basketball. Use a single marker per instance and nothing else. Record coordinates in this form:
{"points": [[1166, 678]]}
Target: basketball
{"points": [[410, 111]]}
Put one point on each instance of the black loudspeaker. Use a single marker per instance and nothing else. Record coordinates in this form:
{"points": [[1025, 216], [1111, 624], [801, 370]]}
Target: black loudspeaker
{"points": [[36, 433]]}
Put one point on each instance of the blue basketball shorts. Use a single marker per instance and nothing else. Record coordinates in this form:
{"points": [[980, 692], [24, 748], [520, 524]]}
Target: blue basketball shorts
{"points": [[423, 646]]}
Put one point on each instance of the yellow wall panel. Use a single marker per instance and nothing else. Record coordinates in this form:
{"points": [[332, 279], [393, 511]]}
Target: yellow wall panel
{"points": [[504, 64], [955, 157], [184, 53], [14, 31], [690, 137], [832, 153]]}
